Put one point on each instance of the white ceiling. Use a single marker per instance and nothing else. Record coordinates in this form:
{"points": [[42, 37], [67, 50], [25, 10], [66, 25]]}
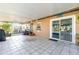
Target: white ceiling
{"points": [[22, 12]]}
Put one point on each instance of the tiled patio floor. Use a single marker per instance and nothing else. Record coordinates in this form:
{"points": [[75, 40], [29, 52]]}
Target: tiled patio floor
{"points": [[25, 45]]}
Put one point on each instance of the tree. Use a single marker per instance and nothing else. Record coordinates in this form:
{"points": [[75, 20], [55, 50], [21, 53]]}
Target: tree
{"points": [[6, 27]]}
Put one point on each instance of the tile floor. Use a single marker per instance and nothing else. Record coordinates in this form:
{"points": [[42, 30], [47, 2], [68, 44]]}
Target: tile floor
{"points": [[25, 45]]}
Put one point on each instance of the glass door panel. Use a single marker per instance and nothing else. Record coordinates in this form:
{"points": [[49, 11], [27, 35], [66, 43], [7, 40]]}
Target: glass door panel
{"points": [[66, 29], [55, 29]]}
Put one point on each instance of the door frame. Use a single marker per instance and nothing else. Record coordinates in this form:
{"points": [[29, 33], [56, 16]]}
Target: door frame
{"points": [[73, 27]]}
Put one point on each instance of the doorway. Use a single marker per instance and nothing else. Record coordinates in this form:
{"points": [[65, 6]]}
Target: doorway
{"points": [[63, 28]]}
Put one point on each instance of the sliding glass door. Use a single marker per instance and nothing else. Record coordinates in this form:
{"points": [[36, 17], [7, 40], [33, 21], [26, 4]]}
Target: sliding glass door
{"points": [[63, 28]]}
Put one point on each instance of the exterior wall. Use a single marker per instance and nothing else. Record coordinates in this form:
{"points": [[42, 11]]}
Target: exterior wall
{"points": [[77, 24], [45, 26], [45, 31]]}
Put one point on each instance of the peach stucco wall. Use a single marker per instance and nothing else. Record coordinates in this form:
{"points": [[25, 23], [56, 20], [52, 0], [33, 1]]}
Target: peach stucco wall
{"points": [[45, 28]]}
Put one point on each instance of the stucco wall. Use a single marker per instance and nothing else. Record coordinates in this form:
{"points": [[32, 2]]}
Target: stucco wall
{"points": [[45, 26]]}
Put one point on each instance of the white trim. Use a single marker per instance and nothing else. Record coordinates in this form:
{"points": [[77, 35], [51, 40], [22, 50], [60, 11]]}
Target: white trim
{"points": [[73, 26], [50, 28], [74, 29]]}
